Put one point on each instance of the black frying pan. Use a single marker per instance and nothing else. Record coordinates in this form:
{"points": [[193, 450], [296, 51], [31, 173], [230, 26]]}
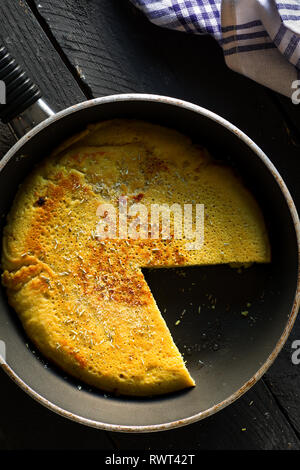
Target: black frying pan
{"points": [[226, 351]]}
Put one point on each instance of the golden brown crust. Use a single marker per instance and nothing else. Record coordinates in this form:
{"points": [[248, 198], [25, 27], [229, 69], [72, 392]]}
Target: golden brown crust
{"points": [[84, 301]]}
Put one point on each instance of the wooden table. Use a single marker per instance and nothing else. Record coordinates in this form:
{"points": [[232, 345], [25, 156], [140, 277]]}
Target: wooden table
{"points": [[79, 49]]}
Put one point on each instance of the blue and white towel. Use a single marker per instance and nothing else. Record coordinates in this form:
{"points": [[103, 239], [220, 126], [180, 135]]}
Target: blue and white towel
{"points": [[260, 38]]}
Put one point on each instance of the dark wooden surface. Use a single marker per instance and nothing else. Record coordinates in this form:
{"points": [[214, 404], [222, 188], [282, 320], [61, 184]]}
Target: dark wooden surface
{"points": [[79, 49]]}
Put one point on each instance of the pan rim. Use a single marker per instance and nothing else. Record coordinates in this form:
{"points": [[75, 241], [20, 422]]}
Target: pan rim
{"points": [[296, 303]]}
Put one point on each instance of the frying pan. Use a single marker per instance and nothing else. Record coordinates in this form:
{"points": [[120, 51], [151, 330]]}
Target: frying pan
{"points": [[235, 321]]}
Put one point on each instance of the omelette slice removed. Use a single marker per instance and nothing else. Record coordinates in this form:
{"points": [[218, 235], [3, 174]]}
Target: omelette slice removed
{"points": [[83, 300]]}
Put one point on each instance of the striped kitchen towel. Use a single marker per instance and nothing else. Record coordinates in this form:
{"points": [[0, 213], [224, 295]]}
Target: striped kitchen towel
{"points": [[260, 38]]}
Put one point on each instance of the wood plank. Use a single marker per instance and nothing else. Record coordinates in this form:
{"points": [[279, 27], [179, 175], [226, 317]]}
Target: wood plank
{"points": [[109, 49], [291, 111], [283, 379], [253, 422], [7, 140], [34, 52], [25, 424]]}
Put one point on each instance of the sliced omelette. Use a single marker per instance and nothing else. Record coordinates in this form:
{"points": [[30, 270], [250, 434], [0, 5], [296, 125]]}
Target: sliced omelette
{"points": [[83, 299]]}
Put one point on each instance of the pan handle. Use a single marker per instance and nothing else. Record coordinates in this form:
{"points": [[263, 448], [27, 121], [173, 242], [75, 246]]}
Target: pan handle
{"points": [[22, 106]]}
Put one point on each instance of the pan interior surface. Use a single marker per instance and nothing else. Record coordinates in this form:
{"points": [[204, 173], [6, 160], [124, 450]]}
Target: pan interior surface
{"points": [[233, 319]]}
